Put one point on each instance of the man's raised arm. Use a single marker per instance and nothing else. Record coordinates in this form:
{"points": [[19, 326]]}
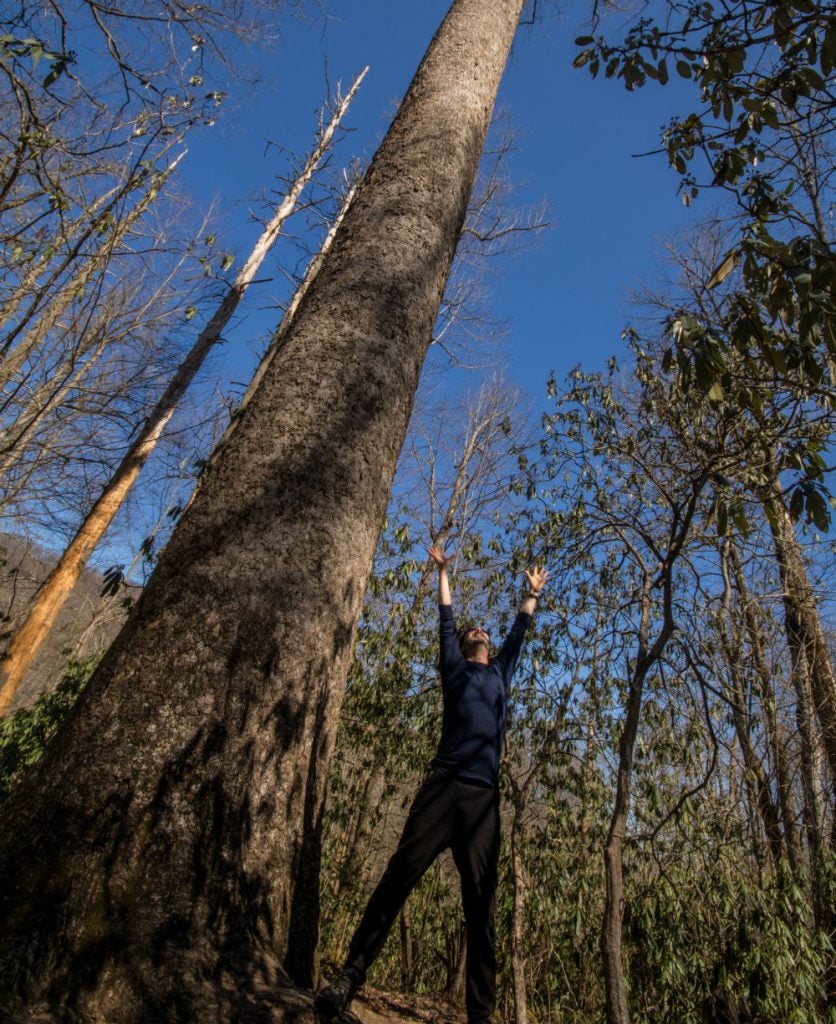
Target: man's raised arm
{"points": [[442, 561], [510, 651], [450, 654]]}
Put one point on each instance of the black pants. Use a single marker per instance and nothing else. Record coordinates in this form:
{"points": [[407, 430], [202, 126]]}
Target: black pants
{"points": [[465, 817]]}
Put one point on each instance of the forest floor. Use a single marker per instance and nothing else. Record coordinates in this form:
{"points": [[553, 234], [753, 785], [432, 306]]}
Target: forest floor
{"points": [[373, 1007], [272, 999], [288, 1004]]}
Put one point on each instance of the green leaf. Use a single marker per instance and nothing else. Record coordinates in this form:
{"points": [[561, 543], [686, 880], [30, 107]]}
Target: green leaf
{"points": [[817, 510]]}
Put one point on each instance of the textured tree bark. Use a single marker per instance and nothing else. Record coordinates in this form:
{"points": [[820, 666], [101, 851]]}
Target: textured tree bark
{"points": [[168, 845]]}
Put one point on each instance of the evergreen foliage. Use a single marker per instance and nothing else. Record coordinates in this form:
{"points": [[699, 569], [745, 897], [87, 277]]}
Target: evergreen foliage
{"points": [[25, 734]]}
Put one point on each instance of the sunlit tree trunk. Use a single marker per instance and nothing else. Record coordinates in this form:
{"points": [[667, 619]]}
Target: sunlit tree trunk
{"points": [[56, 588], [29, 339], [46, 270], [173, 827]]}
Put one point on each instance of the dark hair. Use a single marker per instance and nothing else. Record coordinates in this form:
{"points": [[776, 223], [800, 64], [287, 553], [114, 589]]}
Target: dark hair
{"points": [[462, 632]]}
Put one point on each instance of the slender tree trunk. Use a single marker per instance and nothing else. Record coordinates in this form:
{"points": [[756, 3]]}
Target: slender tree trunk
{"points": [[56, 588], [783, 774], [518, 938], [811, 759], [611, 931], [407, 952], [355, 852], [756, 776], [310, 275], [815, 684], [30, 339], [757, 779], [617, 1009], [171, 835], [455, 990], [33, 284], [647, 655], [805, 635]]}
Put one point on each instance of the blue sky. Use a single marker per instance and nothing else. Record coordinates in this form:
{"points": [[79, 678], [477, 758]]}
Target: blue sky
{"points": [[565, 300]]}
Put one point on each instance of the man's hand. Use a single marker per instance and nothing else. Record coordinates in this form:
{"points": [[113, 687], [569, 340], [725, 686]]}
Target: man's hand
{"points": [[537, 578], [442, 561], [438, 556]]}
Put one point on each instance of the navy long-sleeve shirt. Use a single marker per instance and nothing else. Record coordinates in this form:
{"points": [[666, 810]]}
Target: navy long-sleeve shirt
{"points": [[475, 701]]}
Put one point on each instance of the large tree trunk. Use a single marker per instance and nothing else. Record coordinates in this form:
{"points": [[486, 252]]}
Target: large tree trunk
{"points": [[168, 845]]}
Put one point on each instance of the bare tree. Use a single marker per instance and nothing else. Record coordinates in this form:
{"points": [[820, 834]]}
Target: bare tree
{"points": [[52, 594]]}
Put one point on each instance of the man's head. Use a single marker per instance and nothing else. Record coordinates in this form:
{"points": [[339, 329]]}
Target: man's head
{"points": [[473, 640]]}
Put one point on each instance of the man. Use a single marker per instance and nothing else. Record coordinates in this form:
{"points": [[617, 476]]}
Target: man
{"points": [[457, 806]]}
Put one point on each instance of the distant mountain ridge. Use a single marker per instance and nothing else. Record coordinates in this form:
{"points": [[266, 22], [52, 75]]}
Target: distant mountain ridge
{"points": [[87, 623]]}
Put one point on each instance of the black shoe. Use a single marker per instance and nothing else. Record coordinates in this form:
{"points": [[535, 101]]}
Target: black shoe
{"points": [[334, 998]]}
